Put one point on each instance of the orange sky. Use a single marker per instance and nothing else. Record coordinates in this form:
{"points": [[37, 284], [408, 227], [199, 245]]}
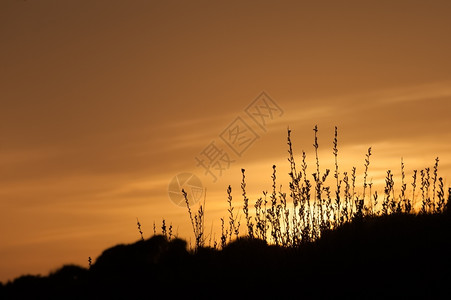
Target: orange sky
{"points": [[103, 102]]}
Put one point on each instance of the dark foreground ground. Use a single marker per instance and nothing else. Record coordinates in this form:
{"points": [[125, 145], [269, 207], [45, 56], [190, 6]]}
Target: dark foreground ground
{"points": [[385, 257]]}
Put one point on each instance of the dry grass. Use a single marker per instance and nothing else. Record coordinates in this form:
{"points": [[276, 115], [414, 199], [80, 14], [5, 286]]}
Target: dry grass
{"points": [[312, 207]]}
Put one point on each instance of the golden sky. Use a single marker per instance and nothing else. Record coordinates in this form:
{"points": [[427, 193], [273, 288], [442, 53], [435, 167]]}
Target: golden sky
{"points": [[104, 102]]}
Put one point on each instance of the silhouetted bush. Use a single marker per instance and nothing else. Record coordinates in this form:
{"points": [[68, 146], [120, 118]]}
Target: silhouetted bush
{"points": [[324, 244], [383, 256]]}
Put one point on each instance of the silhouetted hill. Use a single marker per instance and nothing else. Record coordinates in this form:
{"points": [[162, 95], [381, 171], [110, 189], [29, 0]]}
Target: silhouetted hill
{"points": [[390, 256]]}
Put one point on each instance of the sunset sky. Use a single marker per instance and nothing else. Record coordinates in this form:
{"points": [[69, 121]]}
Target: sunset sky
{"points": [[104, 102]]}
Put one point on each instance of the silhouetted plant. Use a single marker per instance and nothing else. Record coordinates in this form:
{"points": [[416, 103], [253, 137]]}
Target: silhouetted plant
{"points": [[285, 216], [434, 184], [139, 229], [448, 203], [425, 184], [365, 175], [306, 221], [170, 232], [197, 222], [274, 211], [373, 202], [234, 224], [440, 197], [347, 194], [164, 228], [295, 191], [224, 234], [375, 197], [414, 186], [404, 204], [388, 205], [337, 219], [260, 217], [329, 210], [276, 222], [307, 231], [353, 180], [359, 209], [249, 224]]}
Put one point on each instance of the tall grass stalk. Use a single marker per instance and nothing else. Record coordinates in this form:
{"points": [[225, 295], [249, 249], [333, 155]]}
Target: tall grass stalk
{"points": [[249, 224], [316, 208], [139, 229]]}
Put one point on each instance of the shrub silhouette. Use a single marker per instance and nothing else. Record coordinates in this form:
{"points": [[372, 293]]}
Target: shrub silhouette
{"points": [[316, 208], [383, 256], [323, 244]]}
